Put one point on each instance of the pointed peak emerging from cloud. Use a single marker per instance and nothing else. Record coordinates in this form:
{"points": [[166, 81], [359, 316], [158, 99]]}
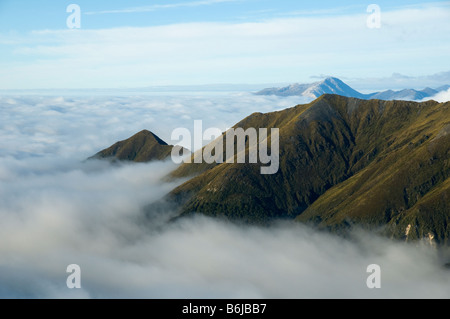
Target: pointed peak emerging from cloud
{"points": [[148, 135], [329, 85], [143, 146]]}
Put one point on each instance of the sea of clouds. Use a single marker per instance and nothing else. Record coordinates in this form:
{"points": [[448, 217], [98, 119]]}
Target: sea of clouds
{"points": [[57, 209], [442, 96]]}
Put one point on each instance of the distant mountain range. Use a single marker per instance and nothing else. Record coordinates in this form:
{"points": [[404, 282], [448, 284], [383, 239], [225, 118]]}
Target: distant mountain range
{"points": [[333, 85]]}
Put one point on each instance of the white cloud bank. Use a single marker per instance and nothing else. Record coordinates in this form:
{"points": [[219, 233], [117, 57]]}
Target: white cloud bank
{"points": [[92, 217], [56, 210], [443, 96], [81, 126]]}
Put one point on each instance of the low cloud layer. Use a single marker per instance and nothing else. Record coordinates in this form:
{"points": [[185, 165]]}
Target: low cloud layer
{"points": [[92, 217], [57, 210], [80, 126], [443, 96]]}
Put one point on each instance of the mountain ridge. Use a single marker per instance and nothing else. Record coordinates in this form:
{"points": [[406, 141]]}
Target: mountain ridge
{"points": [[343, 162]]}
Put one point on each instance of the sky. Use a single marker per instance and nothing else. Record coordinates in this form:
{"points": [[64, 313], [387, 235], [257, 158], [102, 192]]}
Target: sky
{"points": [[128, 44]]}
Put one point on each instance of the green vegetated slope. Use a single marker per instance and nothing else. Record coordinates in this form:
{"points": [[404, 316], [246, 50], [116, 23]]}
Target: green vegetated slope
{"points": [[141, 147], [343, 161]]}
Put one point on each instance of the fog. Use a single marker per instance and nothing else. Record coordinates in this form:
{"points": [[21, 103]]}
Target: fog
{"points": [[442, 96], [57, 209]]}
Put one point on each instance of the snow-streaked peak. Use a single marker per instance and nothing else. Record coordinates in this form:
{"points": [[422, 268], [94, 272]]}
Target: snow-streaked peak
{"points": [[328, 85]]}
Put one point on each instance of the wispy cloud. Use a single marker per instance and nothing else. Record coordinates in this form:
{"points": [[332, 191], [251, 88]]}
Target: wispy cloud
{"points": [[326, 11], [398, 81], [421, 5], [274, 50], [155, 7]]}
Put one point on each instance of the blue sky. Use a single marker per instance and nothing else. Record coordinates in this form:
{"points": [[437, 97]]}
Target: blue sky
{"points": [[147, 43], [27, 15]]}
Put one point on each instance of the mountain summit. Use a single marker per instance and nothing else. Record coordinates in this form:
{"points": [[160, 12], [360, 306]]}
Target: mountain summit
{"points": [[329, 85], [141, 147]]}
